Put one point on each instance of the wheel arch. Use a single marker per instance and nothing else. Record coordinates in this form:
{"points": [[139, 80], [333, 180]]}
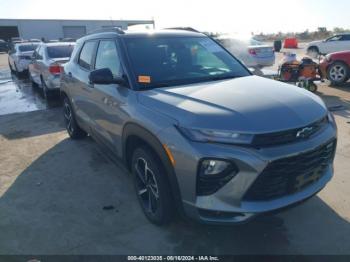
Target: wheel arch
{"points": [[313, 47], [133, 135], [63, 94]]}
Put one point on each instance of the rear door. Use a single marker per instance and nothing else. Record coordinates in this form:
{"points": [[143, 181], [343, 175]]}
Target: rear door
{"points": [[40, 62], [34, 67], [109, 100]]}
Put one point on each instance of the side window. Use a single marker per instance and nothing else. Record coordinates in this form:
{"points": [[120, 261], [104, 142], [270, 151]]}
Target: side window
{"points": [[86, 55], [108, 57], [346, 38], [335, 38], [37, 53]]}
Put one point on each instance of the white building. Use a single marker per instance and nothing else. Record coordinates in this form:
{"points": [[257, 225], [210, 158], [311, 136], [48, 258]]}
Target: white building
{"points": [[51, 29]]}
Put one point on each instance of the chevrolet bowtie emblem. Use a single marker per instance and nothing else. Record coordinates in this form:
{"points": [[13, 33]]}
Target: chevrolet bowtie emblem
{"points": [[305, 132]]}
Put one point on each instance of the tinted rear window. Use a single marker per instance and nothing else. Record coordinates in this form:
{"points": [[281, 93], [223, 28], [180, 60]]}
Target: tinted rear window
{"points": [[60, 51], [27, 48]]}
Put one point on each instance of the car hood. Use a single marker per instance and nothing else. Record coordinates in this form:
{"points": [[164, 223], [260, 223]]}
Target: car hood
{"points": [[248, 104]]}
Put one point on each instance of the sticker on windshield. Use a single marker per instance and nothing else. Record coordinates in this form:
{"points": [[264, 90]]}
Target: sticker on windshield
{"points": [[210, 45], [144, 79]]}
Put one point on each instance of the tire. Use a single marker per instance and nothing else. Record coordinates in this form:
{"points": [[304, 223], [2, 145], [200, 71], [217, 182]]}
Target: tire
{"points": [[72, 127], [34, 85], [338, 73], [16, 70], [11, 69], [46, 92], [313, 87], [152, 187], [313, 51]]}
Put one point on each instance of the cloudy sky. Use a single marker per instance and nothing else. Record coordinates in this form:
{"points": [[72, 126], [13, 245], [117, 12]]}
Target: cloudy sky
{"points": [[243, 16]]}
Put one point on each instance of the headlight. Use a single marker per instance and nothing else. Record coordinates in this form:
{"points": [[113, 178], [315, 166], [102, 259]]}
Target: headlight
{"points": [[328, 58], [216, 136]]}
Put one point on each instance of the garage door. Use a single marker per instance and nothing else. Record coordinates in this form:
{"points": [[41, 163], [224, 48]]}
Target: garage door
{"points": [[6, 32], [74, 31]]}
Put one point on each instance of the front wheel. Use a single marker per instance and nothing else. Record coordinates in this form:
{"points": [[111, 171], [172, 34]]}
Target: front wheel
{"points": [[313, 51], [73, 129], [313, 87], [338, 73], [152, 187]]}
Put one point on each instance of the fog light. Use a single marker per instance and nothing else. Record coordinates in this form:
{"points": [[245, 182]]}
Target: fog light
{"points": [[214, 174], [213, 167]]}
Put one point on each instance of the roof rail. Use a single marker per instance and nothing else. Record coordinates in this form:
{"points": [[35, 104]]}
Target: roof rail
{"points": [[184, 28], [113, 29]]}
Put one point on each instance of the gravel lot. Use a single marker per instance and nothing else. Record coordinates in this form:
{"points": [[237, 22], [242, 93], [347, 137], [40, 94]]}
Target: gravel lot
{"points": [[53, 190]]}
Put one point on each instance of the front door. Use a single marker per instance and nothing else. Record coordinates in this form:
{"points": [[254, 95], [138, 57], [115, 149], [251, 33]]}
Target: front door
{"points": [[109, 100]]}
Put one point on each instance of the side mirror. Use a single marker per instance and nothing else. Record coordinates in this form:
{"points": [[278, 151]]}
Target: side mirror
{"points": [[104, 76]]}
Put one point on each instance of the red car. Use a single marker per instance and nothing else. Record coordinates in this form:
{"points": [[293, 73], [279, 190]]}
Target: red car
{"points": [[336, 67]]}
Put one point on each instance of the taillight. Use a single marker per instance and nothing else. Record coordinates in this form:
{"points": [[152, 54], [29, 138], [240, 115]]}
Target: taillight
{"points": [[55, 69], [252, 51]]}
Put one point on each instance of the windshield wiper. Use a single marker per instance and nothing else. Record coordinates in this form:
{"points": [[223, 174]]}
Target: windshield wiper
{"points": [[223, 77]]}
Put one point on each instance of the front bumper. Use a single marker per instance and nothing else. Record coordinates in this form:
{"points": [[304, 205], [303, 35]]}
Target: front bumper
{"points": [[228, 205]]}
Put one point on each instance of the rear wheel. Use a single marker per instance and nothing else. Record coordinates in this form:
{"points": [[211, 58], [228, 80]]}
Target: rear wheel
{"points": [[11, 69], [338, 73], [152, 187], [34, 84], [47, 93], [73, 129]]}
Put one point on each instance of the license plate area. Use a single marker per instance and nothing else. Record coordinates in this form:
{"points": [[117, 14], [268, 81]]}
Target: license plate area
{"points": [[305, 180]]}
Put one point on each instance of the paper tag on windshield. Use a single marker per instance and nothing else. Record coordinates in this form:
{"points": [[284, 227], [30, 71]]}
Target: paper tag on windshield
{"points": [[144, 79]]}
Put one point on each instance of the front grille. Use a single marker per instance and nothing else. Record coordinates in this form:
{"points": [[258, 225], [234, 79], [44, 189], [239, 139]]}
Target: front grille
{"points": [[289, 175], [288, 136]]}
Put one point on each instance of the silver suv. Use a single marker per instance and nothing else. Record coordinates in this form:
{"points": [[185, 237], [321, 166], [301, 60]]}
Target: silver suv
{"points": [[198, 132]]}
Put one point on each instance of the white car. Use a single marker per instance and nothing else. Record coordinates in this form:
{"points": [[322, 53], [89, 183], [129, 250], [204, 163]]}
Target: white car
{"points": [[45, 67], [20, 56], [251, 52], [330, 45]]}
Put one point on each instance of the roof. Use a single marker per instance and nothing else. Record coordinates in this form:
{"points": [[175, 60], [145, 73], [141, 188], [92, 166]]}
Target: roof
{"points": [[109, 21], [27, 43], [163, 32], [58, 43], [144, 33]]}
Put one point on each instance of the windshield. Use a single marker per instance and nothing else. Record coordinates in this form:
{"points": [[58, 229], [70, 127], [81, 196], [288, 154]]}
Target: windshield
{"points": [[27, 48], [61, 51], [166, 61]]}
